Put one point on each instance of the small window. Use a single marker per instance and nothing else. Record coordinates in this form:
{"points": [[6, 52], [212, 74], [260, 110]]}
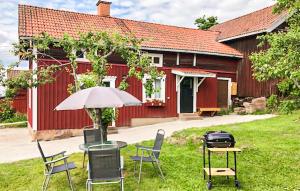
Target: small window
{"points": [[156, 59], [159, 90], [81, 56]]}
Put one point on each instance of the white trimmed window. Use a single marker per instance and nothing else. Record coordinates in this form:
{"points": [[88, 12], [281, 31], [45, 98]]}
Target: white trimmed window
{"points": [[81, 56], [156, 59], [159, 86]]}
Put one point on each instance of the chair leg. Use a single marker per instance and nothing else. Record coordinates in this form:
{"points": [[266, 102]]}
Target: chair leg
{"points": [[162, 175], [154, 168], [140, 174], [45, 178], [69, 179], [122, 184], [83, 159], [135, 167], [47, 182]]}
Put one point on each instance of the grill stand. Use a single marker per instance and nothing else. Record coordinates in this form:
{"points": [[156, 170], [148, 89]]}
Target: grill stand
{"points": [[219, 171]]}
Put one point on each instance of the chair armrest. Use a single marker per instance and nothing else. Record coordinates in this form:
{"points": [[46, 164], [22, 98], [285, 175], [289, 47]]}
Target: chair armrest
{"points": [[57, 160], [146, 148], [142, 147], [55, 155]]}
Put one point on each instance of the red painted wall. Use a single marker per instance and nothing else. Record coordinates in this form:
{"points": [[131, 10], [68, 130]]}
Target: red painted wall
{"points": [[207, 93], [19, 102], [50, 95]]}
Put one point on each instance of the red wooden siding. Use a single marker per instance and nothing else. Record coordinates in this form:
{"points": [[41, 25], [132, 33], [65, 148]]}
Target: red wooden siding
{"points": [[207, 93], [50, 95], [19, 102], [247, 85]]}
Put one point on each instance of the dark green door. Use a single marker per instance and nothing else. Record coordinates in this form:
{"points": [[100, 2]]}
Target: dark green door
{"points": [[186, 95]]}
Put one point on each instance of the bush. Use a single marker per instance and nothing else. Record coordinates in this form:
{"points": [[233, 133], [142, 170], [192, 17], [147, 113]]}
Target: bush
{"points": [[288, 106], [17, 117], [7, 111], [272, 103]]}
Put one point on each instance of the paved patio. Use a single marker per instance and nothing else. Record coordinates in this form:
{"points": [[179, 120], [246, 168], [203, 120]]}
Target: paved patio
{"points": [[15, 144]]}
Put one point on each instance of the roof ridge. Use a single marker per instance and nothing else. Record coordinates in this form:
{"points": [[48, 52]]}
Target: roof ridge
{"points": [[112, 17], [236, 18]]}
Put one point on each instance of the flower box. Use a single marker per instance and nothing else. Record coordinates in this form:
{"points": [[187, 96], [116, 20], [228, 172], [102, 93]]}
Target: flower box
{"points": [[155, 103]]}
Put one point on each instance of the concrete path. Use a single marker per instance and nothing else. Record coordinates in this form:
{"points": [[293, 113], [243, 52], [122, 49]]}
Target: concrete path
{"points": [[15, 144]]}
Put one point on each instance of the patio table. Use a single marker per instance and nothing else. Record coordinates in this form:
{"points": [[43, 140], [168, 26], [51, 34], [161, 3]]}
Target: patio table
{"points": [[105, 145]]}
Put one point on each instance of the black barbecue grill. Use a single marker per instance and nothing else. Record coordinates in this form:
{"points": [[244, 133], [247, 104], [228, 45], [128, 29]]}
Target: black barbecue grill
{"points": [[219, 141]]}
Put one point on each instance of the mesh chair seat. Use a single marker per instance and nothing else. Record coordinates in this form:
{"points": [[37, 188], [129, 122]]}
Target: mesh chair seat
{"points": [[144, 159], [62, 167]]}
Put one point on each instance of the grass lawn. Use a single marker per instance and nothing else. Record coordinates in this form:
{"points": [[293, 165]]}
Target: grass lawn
{"points": [[270, 161]]}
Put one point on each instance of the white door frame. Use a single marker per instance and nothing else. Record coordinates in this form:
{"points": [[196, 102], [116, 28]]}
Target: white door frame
{"points": [[229, 89], [195, 90], [112, 84]]}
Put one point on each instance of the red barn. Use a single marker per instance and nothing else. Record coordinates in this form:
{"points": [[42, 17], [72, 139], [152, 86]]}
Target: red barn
{"points": [[199, 70], [241, 33], [19, 102]]}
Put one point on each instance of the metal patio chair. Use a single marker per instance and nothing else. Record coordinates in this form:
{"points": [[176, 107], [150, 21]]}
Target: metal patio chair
{"points": [[90, 135], [104, 167], [150, 154], [51, 168]]}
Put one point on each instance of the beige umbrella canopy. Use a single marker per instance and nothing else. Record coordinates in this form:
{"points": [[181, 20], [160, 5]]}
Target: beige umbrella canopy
{"points": [[98, 97]]}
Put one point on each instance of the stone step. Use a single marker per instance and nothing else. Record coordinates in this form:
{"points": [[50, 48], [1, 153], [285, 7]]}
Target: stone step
{"points": [[189, 116]]}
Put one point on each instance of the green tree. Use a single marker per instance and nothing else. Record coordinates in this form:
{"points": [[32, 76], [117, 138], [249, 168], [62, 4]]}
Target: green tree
{"points": [[282, 59], [205, 23], [98, 46]]}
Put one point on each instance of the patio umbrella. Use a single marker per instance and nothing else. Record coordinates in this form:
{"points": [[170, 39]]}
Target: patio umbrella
{"points": [[98, 98]]}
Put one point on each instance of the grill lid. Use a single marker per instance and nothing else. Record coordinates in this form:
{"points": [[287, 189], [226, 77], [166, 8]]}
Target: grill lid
{"points": [[219, 139]]}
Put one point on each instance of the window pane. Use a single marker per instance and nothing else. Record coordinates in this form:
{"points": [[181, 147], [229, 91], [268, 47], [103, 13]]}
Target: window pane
{"points": [[107, 84], [156, 60], [80, 54], [157, 86]]}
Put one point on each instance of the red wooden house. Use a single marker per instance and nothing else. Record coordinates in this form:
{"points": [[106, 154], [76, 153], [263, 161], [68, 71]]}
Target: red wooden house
{"points": [[199, 70], [19, 102], [241, 33]]}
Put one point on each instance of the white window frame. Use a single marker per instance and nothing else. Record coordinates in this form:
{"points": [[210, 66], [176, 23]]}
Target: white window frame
{"points": [[160, 56], [229, 89], [162, 91], [84, 59]]}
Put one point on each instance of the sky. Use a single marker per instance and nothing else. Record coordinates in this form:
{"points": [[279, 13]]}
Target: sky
{"points": [[173, 12]]}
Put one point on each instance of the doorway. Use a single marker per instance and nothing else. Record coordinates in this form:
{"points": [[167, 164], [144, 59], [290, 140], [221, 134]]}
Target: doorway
{"points": [[223, 96], [186, 95]]}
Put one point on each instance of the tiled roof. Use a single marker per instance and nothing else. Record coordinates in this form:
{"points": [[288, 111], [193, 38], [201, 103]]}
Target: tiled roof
{"points": [[35, 20], [255, 22]]}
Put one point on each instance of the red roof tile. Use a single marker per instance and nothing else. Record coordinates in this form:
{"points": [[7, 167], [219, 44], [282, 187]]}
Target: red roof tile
{"points": [[35, 20], [255, 22]]}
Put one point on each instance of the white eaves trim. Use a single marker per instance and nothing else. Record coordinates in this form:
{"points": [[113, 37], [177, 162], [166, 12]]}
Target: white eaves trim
{"points": [[193, 52], [179, 73], [268, 30], [181, 51]]}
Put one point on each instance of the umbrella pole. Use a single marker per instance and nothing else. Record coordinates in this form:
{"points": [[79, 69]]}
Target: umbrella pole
{"points": [[99, 122]]}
